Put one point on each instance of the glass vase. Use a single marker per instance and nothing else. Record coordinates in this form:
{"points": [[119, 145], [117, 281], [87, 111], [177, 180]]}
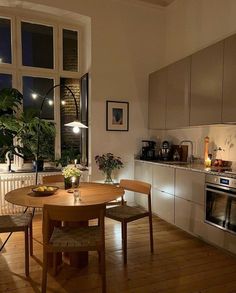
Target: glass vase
{"points": [[68, 182], [108, 178], [75, 181]]}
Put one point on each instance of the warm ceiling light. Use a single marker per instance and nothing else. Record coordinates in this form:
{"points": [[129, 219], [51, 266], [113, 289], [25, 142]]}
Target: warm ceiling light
{"points": [[50, 102], [63, 102], [76, 129]]}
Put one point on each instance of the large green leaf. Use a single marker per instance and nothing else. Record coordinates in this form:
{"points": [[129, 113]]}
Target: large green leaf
{"points": [[10, 99]]}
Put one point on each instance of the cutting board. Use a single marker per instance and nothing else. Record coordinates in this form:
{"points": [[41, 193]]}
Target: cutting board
{"points": [[182, 150]]}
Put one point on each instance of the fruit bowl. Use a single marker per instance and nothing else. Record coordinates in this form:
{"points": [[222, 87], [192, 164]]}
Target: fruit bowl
{"points": [[44, 190]]}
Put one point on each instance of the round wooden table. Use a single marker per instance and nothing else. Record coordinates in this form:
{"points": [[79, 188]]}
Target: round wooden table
{"points": [[91, 193]]}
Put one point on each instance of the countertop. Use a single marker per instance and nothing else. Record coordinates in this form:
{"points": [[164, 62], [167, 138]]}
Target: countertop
{"points": [[196, 167]]}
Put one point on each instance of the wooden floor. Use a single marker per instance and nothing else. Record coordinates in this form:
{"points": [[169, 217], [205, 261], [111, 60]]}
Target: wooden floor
{"points": [[180, 264]]}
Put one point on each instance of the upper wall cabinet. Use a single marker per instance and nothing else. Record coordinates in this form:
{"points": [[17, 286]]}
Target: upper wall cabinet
{"points": [[206, 85], [157, 99], [177, 97], [229, 84]]}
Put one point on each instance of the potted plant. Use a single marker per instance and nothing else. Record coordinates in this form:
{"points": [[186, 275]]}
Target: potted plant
{"points": [[68, 156], [10, 101], [33, 129], [107, 163], [71, 176]]}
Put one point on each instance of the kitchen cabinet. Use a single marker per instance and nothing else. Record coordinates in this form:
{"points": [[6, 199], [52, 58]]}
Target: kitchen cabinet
{"points": [[189, 200], [190, 185], [178, 198], [189, 216], [157, 99], [206, 85], [163, 204], [178, 94], [229, 84], [142, 172], [163, 180]]}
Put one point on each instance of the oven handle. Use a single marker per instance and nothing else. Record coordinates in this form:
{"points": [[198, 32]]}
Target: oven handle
{"points": [[221, 192]]}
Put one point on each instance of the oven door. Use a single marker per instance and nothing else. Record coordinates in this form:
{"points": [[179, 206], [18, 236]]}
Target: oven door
{"points": [[220, 209]]}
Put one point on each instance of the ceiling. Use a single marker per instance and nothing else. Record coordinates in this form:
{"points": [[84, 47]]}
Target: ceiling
{"points": [[159, 2]]}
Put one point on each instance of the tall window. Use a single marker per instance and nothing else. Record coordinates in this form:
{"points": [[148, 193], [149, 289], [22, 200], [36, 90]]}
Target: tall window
{"points": [[42, 54]]}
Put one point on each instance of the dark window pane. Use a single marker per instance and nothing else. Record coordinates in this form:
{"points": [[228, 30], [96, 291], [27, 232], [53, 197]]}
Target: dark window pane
{"points": [[37, 45], [34, 89], [70, 50], [70, 142], [5, 40], [5, 81]]}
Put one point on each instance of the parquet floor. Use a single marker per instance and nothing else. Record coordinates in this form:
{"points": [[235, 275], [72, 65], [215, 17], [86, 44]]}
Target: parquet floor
{"points": [[180, 264]]}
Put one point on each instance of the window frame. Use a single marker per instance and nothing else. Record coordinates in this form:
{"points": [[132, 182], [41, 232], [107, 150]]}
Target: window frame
{"points": [[18, 70]]}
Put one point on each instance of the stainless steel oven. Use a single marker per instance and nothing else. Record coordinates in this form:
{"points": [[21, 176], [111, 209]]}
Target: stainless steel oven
{"points": [[220, 205]]}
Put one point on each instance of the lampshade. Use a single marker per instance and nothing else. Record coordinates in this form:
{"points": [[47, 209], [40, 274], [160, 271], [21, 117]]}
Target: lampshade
{"points": [[76, 123]]}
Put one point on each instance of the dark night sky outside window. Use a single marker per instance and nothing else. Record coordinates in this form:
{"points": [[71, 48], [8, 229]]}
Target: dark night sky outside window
{"points": [[5, 81], [40, 86], [70, 50], [37, 45], [5, 40]]}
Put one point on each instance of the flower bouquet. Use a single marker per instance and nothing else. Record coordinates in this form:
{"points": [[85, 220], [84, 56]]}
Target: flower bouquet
{"points": [[107, 163], [71, 176]]}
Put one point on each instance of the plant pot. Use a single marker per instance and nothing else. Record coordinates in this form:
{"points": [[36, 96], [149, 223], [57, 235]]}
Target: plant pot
{"points": [[39, 165], [75, 181], [68, 183]]}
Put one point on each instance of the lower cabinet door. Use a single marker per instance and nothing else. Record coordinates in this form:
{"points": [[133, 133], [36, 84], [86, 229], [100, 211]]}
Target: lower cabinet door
{"points": [[163, 205], [189, 216]]}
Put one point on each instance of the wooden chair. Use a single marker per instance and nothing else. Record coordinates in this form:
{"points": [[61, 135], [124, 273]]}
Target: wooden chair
{"points": [[72, 239], [53, 178], [16, 223], [126, 214]]}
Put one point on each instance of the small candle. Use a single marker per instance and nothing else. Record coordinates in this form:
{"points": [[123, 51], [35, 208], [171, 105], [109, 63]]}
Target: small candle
{"points": [[208, 162]]}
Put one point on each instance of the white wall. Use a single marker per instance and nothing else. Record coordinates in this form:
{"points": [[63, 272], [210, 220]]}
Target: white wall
{"points": [[127, 42], [190, 26]]}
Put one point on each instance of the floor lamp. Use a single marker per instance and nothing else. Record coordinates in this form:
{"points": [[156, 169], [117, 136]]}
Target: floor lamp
{"points": [[75, 124]]}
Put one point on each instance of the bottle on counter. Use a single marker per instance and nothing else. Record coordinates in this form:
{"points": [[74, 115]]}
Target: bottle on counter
{"points": [[176, 156]]}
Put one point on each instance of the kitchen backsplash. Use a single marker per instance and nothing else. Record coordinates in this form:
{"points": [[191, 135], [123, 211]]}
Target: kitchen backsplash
{"points": [[223, 136]]}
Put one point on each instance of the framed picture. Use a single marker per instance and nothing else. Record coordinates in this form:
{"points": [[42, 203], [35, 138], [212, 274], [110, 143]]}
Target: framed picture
{"points": [[117, 116]]}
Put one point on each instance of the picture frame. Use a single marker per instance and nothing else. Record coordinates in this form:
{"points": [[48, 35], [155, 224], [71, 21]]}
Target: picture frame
{"points": [[117, 116]]}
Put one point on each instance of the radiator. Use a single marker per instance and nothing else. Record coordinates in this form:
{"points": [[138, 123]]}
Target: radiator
{"points": [[12, 181]]}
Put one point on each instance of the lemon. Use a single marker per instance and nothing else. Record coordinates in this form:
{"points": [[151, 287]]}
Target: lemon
{"points": [[41, 188], [50, 188]]}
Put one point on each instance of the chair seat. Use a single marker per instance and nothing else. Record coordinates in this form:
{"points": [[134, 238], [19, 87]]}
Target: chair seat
{"points": [[12, 223], [76, 237], [125, 212]]}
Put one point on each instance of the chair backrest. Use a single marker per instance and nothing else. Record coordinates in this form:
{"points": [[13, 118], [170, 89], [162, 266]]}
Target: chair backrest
{"points": [[53, 178], [136, 186], [53, 215], [139, 187]]}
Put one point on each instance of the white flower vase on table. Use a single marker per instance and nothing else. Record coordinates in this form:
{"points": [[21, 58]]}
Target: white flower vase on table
{"points": [[71, 176]]}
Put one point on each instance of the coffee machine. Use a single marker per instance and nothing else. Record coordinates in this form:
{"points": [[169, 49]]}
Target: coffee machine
{"points": [[148, 150], [165, 151]]}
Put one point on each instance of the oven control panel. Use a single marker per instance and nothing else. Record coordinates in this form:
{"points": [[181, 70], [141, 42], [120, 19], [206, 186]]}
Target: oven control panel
{"points": [[222, 181]]}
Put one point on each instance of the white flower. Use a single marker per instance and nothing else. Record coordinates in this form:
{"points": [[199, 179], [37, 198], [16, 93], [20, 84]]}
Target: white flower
{"points": [[70, 171]]}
